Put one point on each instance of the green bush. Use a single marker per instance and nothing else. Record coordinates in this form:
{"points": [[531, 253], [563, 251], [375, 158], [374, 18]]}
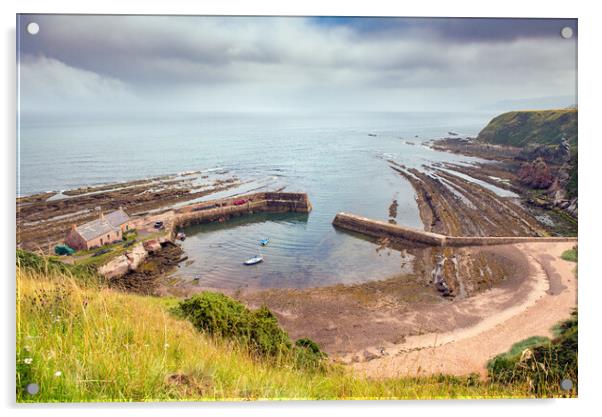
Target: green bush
{"points": [[266, 336], [542, 364], [309, 355], [258, 330], [222, 316], [570, 255]]}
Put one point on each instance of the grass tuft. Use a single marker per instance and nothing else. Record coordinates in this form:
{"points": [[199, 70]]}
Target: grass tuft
{"points": [[570, 255]]}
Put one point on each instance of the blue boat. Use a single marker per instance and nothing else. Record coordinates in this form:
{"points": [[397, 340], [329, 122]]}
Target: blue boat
{"points": [[264, 242]]}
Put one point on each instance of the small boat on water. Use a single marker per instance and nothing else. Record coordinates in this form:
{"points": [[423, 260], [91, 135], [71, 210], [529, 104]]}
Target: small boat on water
{"points": [[264, 242], [253, 261]]}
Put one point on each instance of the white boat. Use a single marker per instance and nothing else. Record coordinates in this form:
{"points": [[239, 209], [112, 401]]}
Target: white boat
{"points": [[253, 261]]}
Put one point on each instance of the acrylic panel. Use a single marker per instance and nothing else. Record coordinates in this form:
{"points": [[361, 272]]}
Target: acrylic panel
{"points": [[263, 207]]}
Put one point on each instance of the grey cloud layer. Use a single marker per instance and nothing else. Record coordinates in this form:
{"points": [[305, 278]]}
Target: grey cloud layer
{"points": [[275, 62]]}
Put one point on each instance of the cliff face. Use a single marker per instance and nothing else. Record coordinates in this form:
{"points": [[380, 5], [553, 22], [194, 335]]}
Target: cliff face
{"points": [[548, 142], [536, 127]]}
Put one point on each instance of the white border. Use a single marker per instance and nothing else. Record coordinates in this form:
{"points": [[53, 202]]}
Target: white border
{"points": [[590, 139]]}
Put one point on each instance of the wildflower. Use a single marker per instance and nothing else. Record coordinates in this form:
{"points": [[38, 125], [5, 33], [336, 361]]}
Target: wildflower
{"points": [[58, 373], [28, 361], [27, 348], [166, 345]]}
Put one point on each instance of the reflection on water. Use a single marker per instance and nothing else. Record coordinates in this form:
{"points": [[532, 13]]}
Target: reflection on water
{"points": [[298, 255]]}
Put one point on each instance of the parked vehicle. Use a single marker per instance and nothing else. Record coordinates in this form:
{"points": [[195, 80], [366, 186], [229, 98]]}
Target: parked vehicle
{"points": [[181, 236], [101, 252], [240, 202], [158, 225], [63, 250]]}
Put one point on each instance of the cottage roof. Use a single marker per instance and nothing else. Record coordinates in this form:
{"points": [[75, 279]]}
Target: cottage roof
{"points": [[96, 228], [117, 217]]}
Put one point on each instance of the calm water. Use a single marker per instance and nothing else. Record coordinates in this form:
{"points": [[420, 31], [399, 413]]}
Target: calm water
{"points": [[334, 158]]}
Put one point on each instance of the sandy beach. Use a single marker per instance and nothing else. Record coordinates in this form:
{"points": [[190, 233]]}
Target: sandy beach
{"points": [[551, 298]]}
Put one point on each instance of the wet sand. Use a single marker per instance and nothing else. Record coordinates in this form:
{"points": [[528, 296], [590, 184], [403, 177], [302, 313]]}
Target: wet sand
{"points": [[531, 309], [359, 322]]}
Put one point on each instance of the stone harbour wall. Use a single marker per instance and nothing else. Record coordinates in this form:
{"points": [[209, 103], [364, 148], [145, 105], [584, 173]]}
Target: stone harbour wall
{"points": [[220, 210], [378, 228]]}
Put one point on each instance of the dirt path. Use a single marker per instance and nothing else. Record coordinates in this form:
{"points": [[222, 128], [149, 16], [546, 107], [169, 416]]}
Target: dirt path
{"points": [[551, 297]]}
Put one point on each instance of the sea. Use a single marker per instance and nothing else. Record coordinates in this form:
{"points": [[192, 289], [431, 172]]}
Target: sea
{"points": [[339, 159]]}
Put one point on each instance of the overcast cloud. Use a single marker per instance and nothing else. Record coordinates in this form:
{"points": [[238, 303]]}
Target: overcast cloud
{"points": [[139, 63]]}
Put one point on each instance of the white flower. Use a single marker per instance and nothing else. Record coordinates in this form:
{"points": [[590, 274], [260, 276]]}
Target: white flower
{"points": [[27, 348], [166, 345], [58, 373], [28, 361]]}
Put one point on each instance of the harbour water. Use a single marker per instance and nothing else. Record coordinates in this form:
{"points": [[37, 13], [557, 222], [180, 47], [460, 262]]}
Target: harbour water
{"points": [[340, 160]]}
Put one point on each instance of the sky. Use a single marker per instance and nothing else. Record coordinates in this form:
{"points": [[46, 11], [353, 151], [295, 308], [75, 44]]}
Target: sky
{"points": [[204, 63]]}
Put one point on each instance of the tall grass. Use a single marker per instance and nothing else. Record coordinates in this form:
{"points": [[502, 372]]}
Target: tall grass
{"points": [[89, 343], [542, 363]]}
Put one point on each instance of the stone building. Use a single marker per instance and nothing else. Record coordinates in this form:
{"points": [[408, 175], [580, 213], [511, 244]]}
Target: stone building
{"points": [[106, 229]]}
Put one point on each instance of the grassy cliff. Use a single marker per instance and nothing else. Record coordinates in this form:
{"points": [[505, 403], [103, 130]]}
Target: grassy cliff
{"points": [[80, 341], [521, 128], [541, 362]]}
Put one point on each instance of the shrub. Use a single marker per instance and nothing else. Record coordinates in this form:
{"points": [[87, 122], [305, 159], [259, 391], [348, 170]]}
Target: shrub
{"points": [[217, 314], [220, 315], [542, 365], [570, 255], [266, 335], [309, 355], [258, 330]]}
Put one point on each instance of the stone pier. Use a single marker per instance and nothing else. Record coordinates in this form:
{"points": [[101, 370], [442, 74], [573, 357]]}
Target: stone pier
{"points": [[221, 210], [379, 229]]}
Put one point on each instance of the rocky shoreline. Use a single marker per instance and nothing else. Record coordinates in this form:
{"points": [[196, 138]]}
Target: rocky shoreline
{"points": [[155, 260], [43, 219], [539, 173]]}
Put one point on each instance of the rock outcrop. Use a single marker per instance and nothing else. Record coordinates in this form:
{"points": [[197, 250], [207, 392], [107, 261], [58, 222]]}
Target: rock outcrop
{"points": [[136, 256], [122, 264], [152, 246], [535, 174], [554, 154], [115, 267]]}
